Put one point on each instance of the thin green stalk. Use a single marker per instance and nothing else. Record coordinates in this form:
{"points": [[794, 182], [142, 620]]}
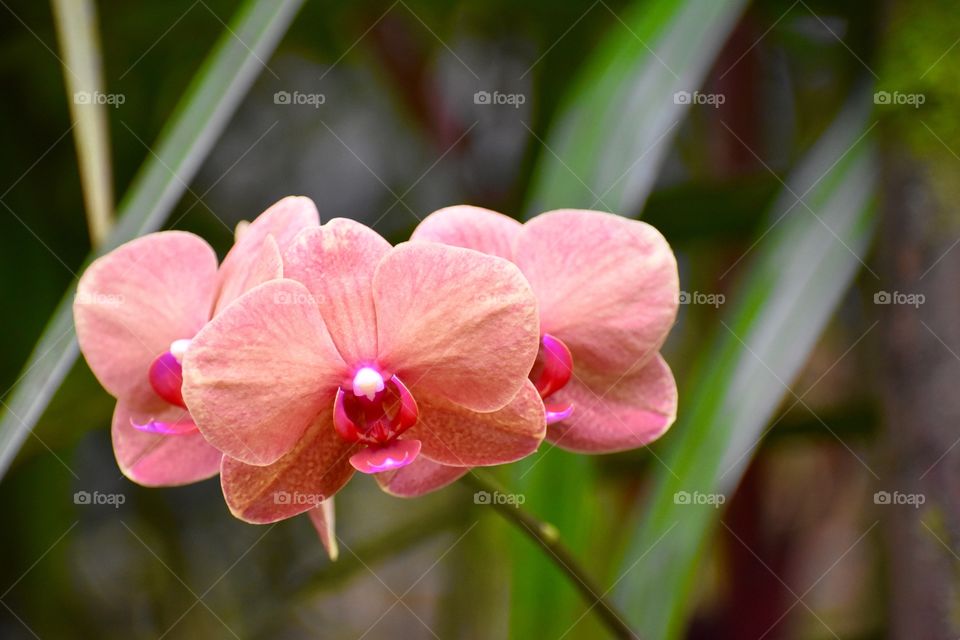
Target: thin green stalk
{"points": [[547, 536], [79, 37]]}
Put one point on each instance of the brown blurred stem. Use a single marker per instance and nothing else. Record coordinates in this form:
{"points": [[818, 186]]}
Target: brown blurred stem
{"points": [[547, 536]]}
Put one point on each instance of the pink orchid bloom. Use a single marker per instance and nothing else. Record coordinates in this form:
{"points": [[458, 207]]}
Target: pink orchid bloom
{"points": [[137, 309], [364, 357], [607, 289]]}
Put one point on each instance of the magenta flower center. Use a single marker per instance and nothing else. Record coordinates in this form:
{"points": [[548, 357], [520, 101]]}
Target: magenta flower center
{"points": [[166, 378], [373, 411], [551, 373]]}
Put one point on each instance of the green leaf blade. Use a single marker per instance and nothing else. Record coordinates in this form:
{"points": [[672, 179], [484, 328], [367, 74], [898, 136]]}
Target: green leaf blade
{"points": [[802, 268], [609, 140], [188, 137], [604, 152]]}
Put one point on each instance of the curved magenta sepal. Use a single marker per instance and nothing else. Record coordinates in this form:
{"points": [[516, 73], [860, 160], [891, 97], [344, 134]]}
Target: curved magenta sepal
{"points": [[178, 428], [407, 413], [346, 427], [556, 366], [377, 458], [166, 378]]}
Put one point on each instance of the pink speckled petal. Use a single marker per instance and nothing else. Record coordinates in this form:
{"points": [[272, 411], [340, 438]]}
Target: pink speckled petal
{"points": [[283, 220], [323, 519], [260, 266], [336, 262], [456, 436], [472, 228], [136, 300], [607, 286], [421, 477], [455, 323], [633, 412], [259, 373], [155, 460], [313, 471]]}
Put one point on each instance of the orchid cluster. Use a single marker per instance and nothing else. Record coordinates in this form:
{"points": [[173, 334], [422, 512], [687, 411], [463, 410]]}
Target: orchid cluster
{"points": [[313, 352]]}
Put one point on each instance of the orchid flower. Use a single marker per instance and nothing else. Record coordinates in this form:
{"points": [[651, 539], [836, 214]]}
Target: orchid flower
{"points": [[364, 357], [137, 309], [608, 290]]}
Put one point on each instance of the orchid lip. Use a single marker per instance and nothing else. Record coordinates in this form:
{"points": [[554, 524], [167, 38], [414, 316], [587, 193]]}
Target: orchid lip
{"points": [[175, 428], [388, 457]]}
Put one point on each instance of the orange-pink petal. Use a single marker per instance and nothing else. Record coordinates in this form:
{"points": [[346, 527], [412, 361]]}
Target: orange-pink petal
{"points": [[283, 220], [136, 300], [336, 262], [260, 266], [453, 435], [261, 371], [472, 228], [455, 323], [607, 286], [616, 415], [160, 460], [312, 472], [419, 477]]}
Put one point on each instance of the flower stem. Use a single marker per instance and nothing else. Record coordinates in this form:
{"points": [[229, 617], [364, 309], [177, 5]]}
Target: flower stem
{"points": [[547, 536]]}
